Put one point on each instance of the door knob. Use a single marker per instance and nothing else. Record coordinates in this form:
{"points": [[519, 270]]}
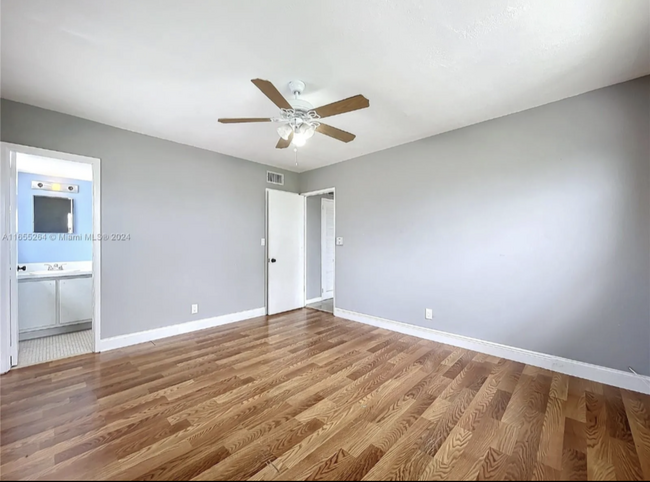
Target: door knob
{"points": [[273, 260]]}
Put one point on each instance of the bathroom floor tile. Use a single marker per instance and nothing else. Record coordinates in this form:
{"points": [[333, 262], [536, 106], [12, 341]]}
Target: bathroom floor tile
{"points": [[40, 350]]}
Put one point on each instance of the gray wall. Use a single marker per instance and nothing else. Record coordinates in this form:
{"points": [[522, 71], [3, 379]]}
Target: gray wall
{"points": [[195, 218], [314, 245], [531, 230]]}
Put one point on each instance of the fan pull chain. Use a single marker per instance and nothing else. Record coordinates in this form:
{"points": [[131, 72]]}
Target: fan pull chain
{"points": [[295, 150]]}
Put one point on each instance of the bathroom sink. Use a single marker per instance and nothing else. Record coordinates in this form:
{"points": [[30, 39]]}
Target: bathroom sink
{"points": [[64, 272], [56, 271]]}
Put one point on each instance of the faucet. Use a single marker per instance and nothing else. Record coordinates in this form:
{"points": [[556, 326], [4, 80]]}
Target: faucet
{"points": [[54, 267]]}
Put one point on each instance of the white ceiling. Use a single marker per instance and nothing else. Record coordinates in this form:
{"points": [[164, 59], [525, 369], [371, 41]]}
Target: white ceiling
{"points": [[171, 68], [47, 166]]}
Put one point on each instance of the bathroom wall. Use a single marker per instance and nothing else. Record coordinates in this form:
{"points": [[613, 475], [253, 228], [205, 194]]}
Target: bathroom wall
{"points": [[54, 250]]}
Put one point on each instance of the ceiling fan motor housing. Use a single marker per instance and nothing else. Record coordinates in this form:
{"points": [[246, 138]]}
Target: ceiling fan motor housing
{"points": [[300, 104], [296, 87]]}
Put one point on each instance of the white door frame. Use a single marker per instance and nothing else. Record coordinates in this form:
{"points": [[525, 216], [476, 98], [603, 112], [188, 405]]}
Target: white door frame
{"points": [[317, 193], [8, 259], [323, 238]]}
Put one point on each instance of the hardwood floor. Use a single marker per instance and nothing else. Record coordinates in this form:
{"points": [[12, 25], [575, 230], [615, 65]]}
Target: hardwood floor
{"points": [[308, 396]]}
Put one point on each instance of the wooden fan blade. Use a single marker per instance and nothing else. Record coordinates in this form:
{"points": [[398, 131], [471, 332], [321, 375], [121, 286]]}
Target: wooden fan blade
{"points": [[269, 90], [282, 144], [342, 106], [244, 119], [335, 133]]}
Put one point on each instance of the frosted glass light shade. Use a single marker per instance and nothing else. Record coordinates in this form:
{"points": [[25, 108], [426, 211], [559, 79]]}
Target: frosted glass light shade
{"points": [[285, 131]]}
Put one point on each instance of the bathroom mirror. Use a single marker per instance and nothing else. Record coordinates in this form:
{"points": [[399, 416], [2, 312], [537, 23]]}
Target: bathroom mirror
{"points": [[53, 214]]}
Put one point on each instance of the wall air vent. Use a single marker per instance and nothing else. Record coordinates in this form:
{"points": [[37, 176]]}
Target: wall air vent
{"points": [[275, 178]]}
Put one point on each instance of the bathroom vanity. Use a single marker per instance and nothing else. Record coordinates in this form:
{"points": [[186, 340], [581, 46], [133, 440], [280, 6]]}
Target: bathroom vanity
{"points": [[54, 302]]}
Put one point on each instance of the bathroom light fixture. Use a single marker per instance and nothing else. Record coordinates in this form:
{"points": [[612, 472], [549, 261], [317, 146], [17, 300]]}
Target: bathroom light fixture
{"points": [[54, 186]]}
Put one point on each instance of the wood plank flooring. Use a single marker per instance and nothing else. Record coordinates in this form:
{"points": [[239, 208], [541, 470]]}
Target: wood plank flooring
{"points": [[308, 396]]}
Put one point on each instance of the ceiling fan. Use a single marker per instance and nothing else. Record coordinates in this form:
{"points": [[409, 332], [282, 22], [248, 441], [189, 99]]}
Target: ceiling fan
{"points": [[300, 120]]}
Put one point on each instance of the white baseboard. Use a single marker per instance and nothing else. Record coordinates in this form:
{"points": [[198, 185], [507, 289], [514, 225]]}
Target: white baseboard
{"points": [[313, 300], [608, 376], [166, 331]]}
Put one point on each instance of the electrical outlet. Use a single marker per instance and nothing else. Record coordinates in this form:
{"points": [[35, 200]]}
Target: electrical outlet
{"points": [[428, 314], [195, 309], [263, 242]]}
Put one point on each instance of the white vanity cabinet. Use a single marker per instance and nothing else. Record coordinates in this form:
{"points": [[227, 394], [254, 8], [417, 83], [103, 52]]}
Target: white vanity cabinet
{"points": [[54, 305], [36, 305], [75, 300]]}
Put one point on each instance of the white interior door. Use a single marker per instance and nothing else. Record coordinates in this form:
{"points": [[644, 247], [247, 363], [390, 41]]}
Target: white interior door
{"points": [[8, 262], [285, 251], [327, 248], [5, 291], [13, 258]]}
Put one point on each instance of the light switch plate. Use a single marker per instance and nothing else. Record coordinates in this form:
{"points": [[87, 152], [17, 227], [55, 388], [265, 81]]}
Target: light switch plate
{"points": [[428, 314], [339, 241]]}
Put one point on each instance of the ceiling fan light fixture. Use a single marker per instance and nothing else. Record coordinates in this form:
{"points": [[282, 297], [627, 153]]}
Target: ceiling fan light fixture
{"points": [[302, 133], [309, 130], [298, 117], [299, 139], [285, 131]]}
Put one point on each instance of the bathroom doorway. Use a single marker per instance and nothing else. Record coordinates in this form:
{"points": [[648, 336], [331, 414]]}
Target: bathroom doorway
{"points": [[320, 245], [50, 225]]}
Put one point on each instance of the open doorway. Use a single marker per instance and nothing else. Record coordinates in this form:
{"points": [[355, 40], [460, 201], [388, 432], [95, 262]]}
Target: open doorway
{"points": [[51, 228], [300, 253], [320, 250]]}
